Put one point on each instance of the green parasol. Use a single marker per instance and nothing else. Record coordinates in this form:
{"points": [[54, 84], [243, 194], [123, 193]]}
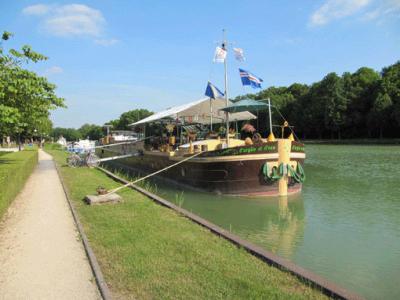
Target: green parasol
{"points": [[245, 105]]}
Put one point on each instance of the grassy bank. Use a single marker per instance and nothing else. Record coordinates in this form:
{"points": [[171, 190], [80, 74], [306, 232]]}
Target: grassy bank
{"points": [[147, 251], [15, 168]]}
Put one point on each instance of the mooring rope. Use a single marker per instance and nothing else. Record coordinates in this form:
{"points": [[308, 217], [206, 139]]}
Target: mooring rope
{"points": [[287, 122], [152, 174]]}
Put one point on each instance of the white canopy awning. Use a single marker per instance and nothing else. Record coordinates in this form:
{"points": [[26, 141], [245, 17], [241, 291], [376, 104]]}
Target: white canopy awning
{"points": [[198, 112]]}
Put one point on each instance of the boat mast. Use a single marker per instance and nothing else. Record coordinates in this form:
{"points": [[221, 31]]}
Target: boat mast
{"points": [[224, 46]]}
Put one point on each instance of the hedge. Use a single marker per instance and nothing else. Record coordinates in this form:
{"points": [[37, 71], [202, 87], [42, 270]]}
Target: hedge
{"points": [[15, 169]]}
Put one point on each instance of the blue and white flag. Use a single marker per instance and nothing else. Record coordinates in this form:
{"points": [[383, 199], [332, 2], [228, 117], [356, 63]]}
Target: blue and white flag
{"points": [[250, 79], [213, 92]]}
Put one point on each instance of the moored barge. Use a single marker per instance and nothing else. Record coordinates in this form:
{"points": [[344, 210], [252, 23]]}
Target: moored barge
{"points": [[182, 142], [245, 167]]}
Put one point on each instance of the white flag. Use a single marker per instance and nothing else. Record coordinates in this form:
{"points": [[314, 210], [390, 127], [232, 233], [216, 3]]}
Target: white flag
{"points": [[239, 55], [220, 54]]}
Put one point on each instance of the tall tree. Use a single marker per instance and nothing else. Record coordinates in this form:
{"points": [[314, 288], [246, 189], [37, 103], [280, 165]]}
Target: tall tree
{"points": [[295, 109], [390, 85], [359, 89], [332, 94], [25, 98], [132, 116], [312, 108], [380, 113], [70, 134], [91, 131], [280, 98], [129, 117]]}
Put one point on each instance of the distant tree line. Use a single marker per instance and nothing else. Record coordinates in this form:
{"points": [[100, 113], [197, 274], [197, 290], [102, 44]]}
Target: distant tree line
{"points": [[90, 131], [363, 104], [129, 117], [95, 132]]}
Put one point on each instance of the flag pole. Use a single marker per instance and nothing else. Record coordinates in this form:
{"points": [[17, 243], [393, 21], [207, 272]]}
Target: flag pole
{"points": [[211, 115], [224, 46], [270, 119]]}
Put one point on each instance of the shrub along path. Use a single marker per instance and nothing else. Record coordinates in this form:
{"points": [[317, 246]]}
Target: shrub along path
{"points": [[41, 256], [15, 169]]}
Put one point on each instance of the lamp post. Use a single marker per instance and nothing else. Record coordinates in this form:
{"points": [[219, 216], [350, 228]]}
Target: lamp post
{"points": [[35, 135]]}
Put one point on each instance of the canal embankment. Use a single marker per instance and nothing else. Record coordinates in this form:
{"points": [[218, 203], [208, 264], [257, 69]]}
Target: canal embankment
{"points": [[343, 226], [327, 287], [149, 251]]}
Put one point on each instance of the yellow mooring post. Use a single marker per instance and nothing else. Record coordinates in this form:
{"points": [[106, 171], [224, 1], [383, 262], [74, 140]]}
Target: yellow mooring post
{"points": [[284, 146]]}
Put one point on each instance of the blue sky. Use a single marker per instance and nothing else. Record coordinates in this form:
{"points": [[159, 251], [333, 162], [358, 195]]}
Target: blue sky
{"points": [[107, 57]]}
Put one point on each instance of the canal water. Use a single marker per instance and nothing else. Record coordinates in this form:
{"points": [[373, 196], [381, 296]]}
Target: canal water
{"points": [[344, 226]]}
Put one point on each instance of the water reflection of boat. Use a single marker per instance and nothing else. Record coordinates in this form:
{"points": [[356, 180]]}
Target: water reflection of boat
{"points": [[283, 235], [222, 163], [276, 223]]}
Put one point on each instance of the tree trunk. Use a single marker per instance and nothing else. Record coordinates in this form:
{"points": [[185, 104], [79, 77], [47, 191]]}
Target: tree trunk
{"points": [[381, 132], [19, 142]]}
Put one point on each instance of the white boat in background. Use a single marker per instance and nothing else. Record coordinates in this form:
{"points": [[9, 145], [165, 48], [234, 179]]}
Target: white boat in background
{"points": [[82, 146]]}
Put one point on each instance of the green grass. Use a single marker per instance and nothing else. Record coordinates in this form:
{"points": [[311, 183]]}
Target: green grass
{"points": [[15, 168], [147, 251], [53, 146]]}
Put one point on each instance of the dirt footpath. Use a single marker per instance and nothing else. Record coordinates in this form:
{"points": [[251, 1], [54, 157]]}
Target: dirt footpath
{"points": [[41, 256]]}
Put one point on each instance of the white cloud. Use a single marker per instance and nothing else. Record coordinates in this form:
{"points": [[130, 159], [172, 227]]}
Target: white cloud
{"points": [[53, 70], [75, 20], [385, 8], [69, 19], [336, 9], [37, 9], [106, 42]]}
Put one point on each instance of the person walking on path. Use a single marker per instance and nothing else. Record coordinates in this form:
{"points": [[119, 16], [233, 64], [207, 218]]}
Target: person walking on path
{"points": [[41, 256]]}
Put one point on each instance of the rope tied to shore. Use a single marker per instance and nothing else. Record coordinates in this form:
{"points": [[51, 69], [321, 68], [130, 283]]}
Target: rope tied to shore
{"points": [[152, 174]]}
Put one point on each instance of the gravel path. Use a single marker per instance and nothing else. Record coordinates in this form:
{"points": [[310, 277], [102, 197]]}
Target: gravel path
{"points": [[41, 256]]}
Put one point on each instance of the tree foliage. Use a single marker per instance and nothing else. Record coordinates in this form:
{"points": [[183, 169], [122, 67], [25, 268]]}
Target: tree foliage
{"points": [[91, 131], [86, 131], [70, 134], [362, 104], [95, 132], [25, 98], [129, 117], [391, 86]]}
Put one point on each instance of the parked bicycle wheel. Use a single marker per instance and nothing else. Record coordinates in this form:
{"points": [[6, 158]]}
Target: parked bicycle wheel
{"points": [[74, 160], [92, 160]]}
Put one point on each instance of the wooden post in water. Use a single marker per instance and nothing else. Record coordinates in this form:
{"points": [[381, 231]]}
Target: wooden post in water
{"points": [[284, 146]]}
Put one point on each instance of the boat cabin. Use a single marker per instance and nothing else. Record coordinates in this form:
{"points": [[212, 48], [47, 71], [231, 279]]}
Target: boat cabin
{"points": [[190, 128]]}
